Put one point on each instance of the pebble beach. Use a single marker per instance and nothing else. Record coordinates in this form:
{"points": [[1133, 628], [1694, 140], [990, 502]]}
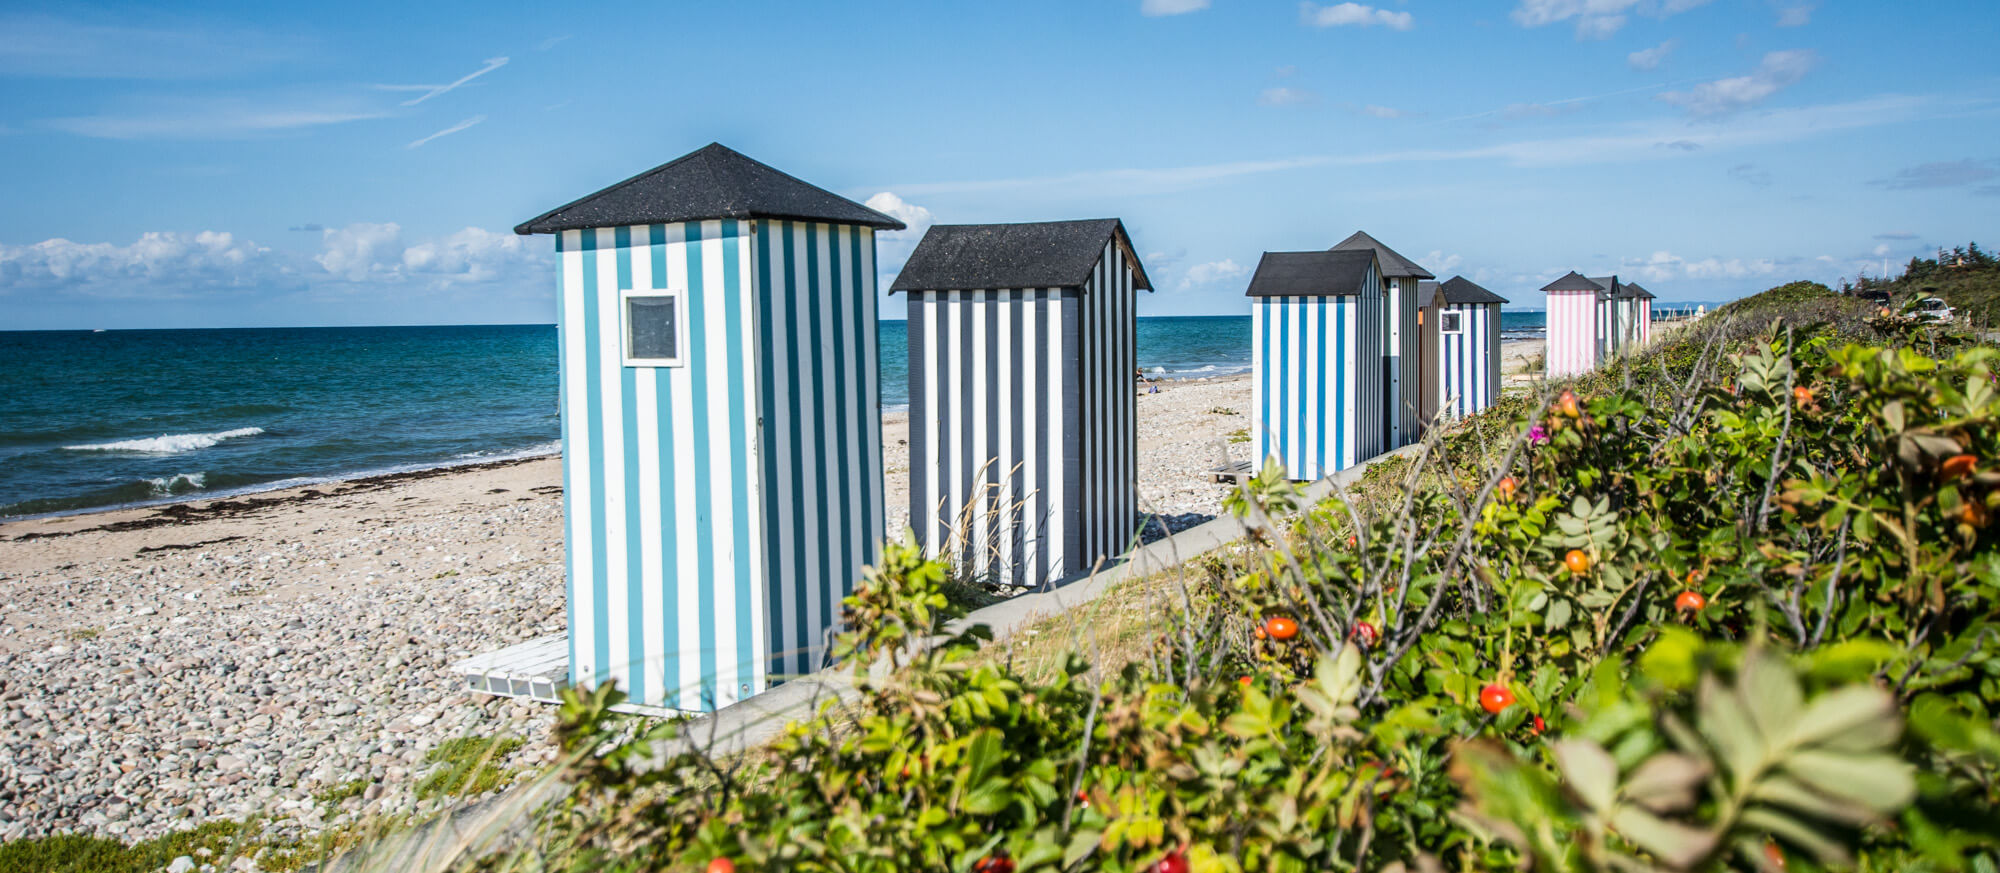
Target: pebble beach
{"points": [[287, 654]]}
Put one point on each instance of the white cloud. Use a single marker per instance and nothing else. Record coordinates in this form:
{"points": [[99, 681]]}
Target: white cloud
{"points": [[552, 42], [437, 90], [1795, 16], [1645, 140], [1213, 271], [157, 264], [110, 47], [1439, 263], [447, 131], [1596, 19], [1171, 7], [1374, 111], [1353, 14], [1285, 97], [362, 251], [1941, 174], [1650, 59], [1724, 96], [474, 254], [211, 118], [1881, 250], [1663, 266], [893, 247]]}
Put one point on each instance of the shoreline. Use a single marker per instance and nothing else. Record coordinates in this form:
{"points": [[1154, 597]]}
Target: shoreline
{"points": [[219, 658]]}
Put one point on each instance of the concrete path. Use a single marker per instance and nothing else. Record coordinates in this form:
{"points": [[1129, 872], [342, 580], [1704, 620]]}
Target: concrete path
{"points": [[477, 828]]}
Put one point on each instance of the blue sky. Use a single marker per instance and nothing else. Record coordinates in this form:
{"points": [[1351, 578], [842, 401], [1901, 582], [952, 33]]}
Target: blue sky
{"points": [[280, 164]]}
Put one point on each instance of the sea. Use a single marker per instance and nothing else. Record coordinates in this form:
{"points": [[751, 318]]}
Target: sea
{"points": [[99, 419]]}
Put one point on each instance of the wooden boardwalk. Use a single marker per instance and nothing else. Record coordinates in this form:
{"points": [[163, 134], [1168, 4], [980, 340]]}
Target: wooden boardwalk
{"points": [[536, 669]]}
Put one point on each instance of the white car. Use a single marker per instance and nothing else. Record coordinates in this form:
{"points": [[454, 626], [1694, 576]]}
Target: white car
{"points": [[1933, 309]]}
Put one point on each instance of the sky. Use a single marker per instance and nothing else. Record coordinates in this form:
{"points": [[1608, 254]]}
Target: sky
{"points": [[261, 164]]}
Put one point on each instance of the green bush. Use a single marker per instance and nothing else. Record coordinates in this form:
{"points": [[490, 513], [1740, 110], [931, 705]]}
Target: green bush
{"points": [[470, 766], [1726, 602]]}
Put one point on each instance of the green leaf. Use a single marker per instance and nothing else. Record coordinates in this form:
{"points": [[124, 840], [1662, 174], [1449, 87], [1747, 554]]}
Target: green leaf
{"points": [[1799, 834], [1666, 782], [1785, 791], [1881, 783], [1589, 770], [1857, 717], [1675, 845], [1727, 726], [1769, 692]]}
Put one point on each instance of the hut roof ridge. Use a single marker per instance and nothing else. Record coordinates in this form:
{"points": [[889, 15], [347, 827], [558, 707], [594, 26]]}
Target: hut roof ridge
{"points": [[1311, 274], [712, 182], [1459, 289], [1394, 265], [1035, 254]]}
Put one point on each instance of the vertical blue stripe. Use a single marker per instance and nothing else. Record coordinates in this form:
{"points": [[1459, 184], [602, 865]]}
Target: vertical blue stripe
{"points": [[802, 578], [1321, 467], [870, 417], [634, 655], [1287, 439], [741, 509], [1344, 415], [699, 360], [670, 581], [840, 506], [821, 542], [593, 387], [571, 437], [768, 308]]}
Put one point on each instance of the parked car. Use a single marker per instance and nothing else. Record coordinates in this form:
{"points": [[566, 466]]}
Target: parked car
{"points": [[1933, 309]]}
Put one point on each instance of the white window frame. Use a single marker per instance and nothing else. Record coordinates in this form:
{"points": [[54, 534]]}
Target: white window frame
{"points": [[679, 297], [1451, 316]]}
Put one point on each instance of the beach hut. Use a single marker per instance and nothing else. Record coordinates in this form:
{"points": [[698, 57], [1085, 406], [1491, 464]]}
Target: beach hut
{"points": [[1468, 359], [1318, 401], [1609, 342], [1023, 430], [1575, 325], [1633, 315], [721, 436], [1401, 359]]}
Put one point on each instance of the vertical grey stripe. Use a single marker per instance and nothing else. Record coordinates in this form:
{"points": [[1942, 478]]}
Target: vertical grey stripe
{"points": [[921, 417], [1071, 416], [1015, 486], [938, 513], [991, 480]]}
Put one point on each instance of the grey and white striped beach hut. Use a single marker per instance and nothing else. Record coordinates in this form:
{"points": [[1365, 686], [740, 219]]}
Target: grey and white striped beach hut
{"points": [[1023, 464], [1468, 347], [1401, 342], [1318, 396], [722, 447], [1632, 315]]}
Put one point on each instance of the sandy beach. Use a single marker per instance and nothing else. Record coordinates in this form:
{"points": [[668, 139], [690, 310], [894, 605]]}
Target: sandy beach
{"points": [[162, 666]]}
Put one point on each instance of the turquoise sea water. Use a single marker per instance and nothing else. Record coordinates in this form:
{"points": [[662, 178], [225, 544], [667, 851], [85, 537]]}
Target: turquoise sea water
{"points": [[97, 419]]}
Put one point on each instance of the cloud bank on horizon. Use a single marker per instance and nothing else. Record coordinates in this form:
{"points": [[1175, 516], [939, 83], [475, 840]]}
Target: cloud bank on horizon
{"points": [[195, 155]]}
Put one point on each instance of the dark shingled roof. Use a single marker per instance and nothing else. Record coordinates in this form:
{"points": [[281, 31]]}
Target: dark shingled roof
{"points": [[1632, 290], [1040, 254], [1394, 266], [1459, 289], [1426, 291], [1311, 274], [713, 182], [1572, 282], [1608, 283]]}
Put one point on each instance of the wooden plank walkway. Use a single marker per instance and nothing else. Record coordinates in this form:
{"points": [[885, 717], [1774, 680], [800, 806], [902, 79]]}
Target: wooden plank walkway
{"points": [[536, 669]]}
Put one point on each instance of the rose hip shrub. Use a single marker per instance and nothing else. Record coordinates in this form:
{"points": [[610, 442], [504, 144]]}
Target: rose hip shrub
{"points": [[1469, 675]]}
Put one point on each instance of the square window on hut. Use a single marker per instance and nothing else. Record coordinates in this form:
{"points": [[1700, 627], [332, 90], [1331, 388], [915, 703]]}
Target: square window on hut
{"points": [[652, 328], [1451, 322]]}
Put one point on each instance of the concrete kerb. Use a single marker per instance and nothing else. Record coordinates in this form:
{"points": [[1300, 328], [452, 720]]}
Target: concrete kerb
{"points": [[751, 723]]}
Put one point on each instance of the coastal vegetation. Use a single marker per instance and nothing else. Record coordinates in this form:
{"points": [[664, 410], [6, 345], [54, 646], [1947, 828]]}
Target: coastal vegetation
{"points": [[1967, 277], [1725, 604]]}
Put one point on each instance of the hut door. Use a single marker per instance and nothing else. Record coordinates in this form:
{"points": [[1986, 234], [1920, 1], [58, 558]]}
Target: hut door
{"points": [[1427, 365]]}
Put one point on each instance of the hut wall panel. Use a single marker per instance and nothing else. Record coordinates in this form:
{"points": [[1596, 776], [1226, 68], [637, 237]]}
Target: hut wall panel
{"points": [[659, 470], [1645, 321], [820, 407], [1319, 392], [1572, 332], [991, 466], [1106, 451], [1468, 360]]}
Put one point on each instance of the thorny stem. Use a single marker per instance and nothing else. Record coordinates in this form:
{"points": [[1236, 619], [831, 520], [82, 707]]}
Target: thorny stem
{"points": [[1832, 584]]}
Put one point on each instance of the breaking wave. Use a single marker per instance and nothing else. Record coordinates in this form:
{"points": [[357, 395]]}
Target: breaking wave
{"points": [[167, 444]]}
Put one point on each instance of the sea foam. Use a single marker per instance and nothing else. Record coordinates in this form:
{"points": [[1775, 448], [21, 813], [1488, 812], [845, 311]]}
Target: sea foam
{"points": [[167, 444]]}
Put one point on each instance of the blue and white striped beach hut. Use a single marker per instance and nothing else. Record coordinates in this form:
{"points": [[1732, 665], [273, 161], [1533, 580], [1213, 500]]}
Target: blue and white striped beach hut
{"points": [[1319, 403], [1401, 340], [1023, 429], [722, 454], [1468, 323]]}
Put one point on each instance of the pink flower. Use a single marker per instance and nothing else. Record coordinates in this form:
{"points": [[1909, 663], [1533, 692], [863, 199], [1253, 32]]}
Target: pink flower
{"points": [[1537, 435]]}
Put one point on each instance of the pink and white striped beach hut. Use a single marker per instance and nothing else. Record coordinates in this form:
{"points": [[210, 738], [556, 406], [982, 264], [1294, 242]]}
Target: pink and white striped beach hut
{"points": [[1574, 325]]}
